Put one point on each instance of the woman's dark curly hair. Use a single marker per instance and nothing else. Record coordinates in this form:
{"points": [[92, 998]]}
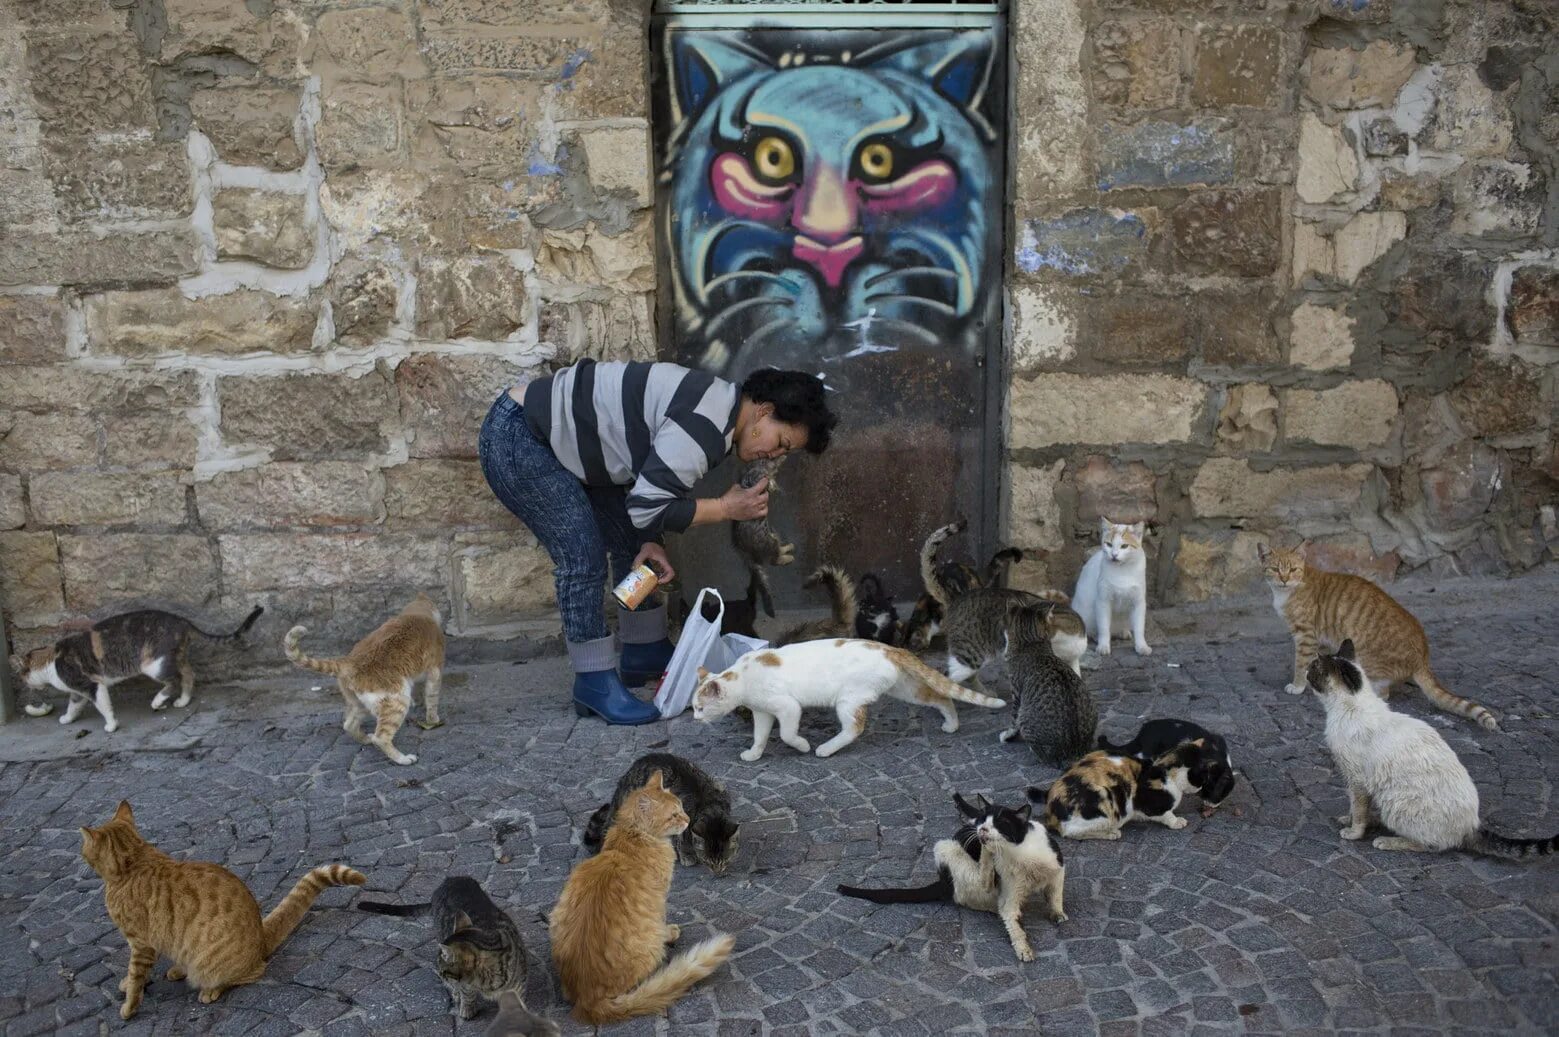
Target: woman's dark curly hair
{"points": [[798, 399]]}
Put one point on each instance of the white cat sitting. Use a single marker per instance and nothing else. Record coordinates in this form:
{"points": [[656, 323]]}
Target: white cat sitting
{"points": [[1402, 767], [847, 675], [1114, 585]]}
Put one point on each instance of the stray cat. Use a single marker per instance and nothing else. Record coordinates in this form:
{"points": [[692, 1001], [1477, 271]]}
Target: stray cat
{"points": [[845, 675], [200, 916], [946, 581], [997, 859], [89, 662], [515, 1020], [1052, 709], [754, 539], [1401, 767], [741, 614], [377, 674], [842, 604], [710, 835], [1100, 793], [1157, 737], [1114, 585], [1326, 607], [609, 931], [480, 953], [876, 617]]}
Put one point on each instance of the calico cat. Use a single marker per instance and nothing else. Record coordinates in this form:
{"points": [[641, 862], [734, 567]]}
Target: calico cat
{"points": [[1401, 767], [876, 617], [994, 862], [200, 916], [1052, 709], [376, 676], [1328, 607], [1114, 585], [87, 663], [480, 952], [755, 539], [1100, 793], [710, 835], [846, 675], [609, 931], [1157, 737], [842, 605], [515, 1020]]}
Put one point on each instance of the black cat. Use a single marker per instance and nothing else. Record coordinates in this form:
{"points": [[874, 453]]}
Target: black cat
{"points": [[710, 837]]}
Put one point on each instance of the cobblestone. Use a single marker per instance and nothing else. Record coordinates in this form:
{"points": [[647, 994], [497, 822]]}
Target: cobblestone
{"points": [[1257, 918]]}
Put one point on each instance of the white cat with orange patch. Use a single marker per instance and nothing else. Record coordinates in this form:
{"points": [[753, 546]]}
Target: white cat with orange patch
{"points": [[847, 675], [1114, 585]]}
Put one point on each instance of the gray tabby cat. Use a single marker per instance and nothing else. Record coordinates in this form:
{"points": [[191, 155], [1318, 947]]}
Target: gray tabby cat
{"points": [[480, 952], [754, 539], [515, 1020], [1052, 710]]}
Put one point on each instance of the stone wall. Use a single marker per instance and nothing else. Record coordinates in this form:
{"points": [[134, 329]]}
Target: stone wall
{"points": [[1279, 269], [1284, 270]]}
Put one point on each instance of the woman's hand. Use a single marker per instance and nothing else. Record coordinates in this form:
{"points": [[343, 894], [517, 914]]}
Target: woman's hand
{"points": [[655, 555], [741, 504]]}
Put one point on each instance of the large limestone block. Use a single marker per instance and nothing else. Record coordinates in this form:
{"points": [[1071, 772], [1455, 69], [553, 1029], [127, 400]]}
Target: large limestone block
{"points": [[1033, 518], [106, 568], [1111, 409], [282, 561], [31, 591], [292, 494], [163, 321], [107, 498], [1230, 488], [1354, 414]]}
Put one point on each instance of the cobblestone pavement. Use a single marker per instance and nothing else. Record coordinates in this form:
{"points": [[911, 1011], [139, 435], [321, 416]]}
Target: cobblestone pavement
{"points": [[1259, 918]]}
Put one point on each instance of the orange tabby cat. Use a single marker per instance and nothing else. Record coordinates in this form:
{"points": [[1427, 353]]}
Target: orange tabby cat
{"points": [[609, 931], [200, 915], [377, 675], [1323, 606]]}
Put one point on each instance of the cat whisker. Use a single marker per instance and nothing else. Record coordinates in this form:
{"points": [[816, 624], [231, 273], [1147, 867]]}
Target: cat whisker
{"points": [[908, 271], [740, 275], [918, 300], [737, 307], [768, 329]]}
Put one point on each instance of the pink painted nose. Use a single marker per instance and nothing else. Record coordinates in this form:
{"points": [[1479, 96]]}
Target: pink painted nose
{"points": [[825, 217]]}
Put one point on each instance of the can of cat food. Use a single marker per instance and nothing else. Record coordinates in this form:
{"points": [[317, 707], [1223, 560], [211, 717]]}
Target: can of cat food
{"points": [[636, 586]]}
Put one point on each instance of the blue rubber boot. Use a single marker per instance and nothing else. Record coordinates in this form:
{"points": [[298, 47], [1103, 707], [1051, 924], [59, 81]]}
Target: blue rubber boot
{"points": [[603, 693], [646, 648]]}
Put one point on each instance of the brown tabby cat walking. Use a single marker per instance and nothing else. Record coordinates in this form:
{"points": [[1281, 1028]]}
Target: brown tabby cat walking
{"points": [[1334, 607], [200, 915], [377, 675], [609, 931]]}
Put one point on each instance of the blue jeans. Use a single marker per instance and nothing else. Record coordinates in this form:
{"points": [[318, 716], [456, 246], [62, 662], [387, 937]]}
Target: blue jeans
{"points": [[580, 526]]}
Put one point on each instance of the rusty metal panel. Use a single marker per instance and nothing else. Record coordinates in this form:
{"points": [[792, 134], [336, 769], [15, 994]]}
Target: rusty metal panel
{"points": [[830, 199]]}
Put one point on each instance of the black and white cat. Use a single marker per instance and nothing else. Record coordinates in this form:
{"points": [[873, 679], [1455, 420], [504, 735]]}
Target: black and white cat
{"points": [[1157, 737], [994, 862], [876, 617]]}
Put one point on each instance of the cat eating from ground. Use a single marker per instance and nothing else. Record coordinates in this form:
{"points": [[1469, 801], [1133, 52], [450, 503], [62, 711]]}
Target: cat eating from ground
{"points": [[200, 916], [1157, 737], [1052, 709], [847, 675], [377, 675], [1100, 793], [842, 609], [996, 860], [148, 642], [480, 952], [711, 834], [1114, 585], [1327, 607], [609, 931], [1400, 770]]}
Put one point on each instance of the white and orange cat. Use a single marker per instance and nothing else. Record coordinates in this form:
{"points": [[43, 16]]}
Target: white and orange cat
{"points": [[843, 674], [1113, 585], [377, 675], [1327, 607]]}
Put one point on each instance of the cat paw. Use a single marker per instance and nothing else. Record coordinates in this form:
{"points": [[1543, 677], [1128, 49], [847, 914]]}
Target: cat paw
{"points": [[801, 745], [1058, 917], [1177, 822], [1114, 835], [1103, 649], [1025, 953], [128, 1009], [673, 933], [428, 725], [208, 996], [1007, 735], [751, 755], [950, 725], [1294, 689], [407, 760], [66, 718], [175, 974], [1144, 649], [111, 727], [1353, 833], [159, 703], [824, 751]]}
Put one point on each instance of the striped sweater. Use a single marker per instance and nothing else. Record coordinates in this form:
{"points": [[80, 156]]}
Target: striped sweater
{"points": [[656, 428]]}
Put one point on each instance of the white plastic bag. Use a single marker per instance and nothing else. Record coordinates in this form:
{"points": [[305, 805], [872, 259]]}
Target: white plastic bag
{"points": [[701, 644]]}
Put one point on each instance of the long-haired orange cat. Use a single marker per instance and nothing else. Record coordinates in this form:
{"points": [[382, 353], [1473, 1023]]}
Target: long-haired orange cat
{"points": [[1335, 607], [609, 931], [201, 916]]}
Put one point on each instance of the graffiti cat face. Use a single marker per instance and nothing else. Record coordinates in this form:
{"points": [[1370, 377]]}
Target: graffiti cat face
{"points": [[821, 207]]}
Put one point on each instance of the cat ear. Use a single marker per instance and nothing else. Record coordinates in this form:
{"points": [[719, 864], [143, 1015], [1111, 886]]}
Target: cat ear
{"points": [[1027, 813], [1304, 547], [1264, 553], [703, 62], [963, 806], [957, 66], [1139, 528], [1104, 526], [1345, 650], [657, 781], [985, 804], [703, 674], [124, 813]]}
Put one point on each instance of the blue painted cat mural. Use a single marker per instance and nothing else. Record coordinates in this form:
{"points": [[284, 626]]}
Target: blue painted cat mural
{"points": [[822, 204]]}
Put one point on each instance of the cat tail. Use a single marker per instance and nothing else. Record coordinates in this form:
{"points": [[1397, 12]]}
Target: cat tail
{"points": [[243, 628], [758, 590], [334, 667], [919, 673], [285, 916], [1449, 701], [940, 891], [928, 575], [379, 907], [841, 593], [993, 568], [595, 828], [1495, 845], [662, 989]]}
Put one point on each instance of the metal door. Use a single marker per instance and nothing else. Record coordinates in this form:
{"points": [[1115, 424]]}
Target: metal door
{"points": [[830, 183]]}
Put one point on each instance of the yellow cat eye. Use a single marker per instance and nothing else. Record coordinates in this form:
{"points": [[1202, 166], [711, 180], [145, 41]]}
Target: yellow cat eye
{"points": [[773, 159], [876, 161]]}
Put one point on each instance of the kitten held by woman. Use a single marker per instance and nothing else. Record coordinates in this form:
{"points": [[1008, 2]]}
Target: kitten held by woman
{"points": [[1327, 607], [1400, 770], [609, 931], [200, 916]]}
